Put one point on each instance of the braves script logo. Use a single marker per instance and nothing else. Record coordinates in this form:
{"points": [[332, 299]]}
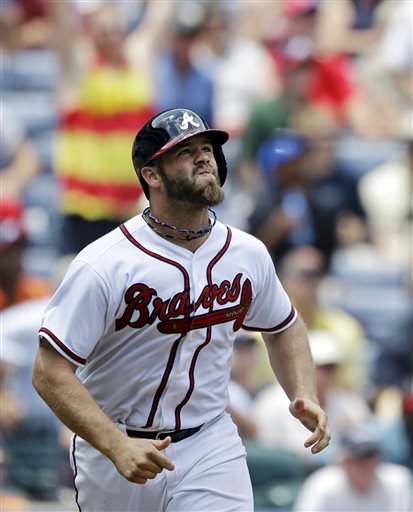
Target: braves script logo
{"points": [[186, 120], [141, 298]]}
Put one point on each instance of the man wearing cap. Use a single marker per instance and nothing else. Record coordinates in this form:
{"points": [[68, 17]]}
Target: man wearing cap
{"points": [[239, 388], [344, 408], [360, 482], [136, 344]]}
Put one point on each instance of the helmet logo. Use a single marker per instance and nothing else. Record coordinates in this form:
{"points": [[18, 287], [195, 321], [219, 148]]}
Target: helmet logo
{"points": [[186, 120]]}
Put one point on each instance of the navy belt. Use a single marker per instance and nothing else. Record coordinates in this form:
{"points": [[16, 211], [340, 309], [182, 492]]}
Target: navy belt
{"points": [[175, 435]]}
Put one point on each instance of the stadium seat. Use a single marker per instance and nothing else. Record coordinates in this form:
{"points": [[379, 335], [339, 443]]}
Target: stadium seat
{"points": [[276, 476]]}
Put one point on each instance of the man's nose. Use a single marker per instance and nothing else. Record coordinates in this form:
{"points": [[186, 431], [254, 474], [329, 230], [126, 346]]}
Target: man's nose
{"points": [[201, 155]]}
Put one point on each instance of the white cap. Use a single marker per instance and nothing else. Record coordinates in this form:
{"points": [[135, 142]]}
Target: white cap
{"points": [[325, 347]]}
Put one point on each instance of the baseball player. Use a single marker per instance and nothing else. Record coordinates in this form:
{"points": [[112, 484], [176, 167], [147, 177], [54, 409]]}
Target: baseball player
{"points": [[136, 344]]}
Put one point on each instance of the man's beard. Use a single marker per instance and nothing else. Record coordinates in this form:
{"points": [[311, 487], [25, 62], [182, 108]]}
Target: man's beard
{"points": [[184, 190]]}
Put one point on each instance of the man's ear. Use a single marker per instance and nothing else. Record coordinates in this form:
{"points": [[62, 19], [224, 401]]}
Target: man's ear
{"points": [[150, 174]]}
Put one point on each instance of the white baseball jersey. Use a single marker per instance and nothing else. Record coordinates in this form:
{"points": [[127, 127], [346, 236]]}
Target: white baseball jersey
{"points": [[151, 324]]}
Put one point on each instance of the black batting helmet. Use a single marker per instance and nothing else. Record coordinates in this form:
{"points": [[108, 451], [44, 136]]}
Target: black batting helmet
{"points": [[166, 130]]}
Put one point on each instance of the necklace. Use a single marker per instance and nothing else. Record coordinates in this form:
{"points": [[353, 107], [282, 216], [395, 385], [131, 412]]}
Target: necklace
{"points": [[189, 233]]}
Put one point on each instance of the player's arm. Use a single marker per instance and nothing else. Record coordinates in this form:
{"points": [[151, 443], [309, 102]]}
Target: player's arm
{"points": [[55, 380], [291, 360]]}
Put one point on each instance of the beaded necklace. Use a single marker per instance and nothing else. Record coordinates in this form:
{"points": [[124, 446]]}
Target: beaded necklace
{"points": [[190, 234]]}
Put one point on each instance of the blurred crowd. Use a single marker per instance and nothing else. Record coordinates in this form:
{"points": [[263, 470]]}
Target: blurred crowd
{"points": [[318, 99]]}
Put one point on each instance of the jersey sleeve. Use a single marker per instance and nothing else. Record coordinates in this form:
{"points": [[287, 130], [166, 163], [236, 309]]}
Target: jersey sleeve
{"points": [[271, 309], [77, 316]]}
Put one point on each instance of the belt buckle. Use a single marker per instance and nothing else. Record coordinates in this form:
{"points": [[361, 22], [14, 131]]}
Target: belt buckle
{"points": [[163, 432]]}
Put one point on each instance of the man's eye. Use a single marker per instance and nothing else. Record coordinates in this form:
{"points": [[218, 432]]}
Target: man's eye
{"points": [[207, 149]]}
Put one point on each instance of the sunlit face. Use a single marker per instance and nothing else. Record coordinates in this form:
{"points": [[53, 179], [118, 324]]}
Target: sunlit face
{"points": [[243, 363], [325, 375], [189, 173]]}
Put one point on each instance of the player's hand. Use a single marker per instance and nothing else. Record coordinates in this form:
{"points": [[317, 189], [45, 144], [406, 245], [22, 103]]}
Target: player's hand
{"points": [[314, 418], [139, 460]]}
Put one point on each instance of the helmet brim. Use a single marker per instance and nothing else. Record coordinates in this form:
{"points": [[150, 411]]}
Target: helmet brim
{"points": [[217, 137]]}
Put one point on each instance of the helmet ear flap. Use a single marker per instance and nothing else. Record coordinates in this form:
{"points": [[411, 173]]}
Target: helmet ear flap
{"points": [[147, 142], [221, 163]]}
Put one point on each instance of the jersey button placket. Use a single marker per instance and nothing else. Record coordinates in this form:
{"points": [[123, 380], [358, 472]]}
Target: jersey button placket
{"points": [[197, 278]]}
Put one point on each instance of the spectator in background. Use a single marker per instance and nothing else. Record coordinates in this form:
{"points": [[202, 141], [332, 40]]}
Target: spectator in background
{"points": [[282, 218], [19, 167], [19, 159], [178, 82], [302, 271], [344, 408], [394, 413], [330, 87], [258, 21], [387, 73], [316, 96], [240, 391], [395, 57], [16, 286], [387, 197], [105, 92], [27, 23], [329, 79], [321, 94], [31, 438], [242, 73], [304, 199], [360, 482], [241, 69], [19, 408], [352, 27]]}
